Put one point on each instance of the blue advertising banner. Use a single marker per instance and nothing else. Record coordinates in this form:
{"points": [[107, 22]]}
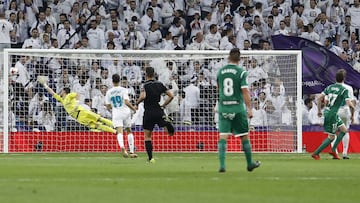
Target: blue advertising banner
{"points": [[319, 65]]}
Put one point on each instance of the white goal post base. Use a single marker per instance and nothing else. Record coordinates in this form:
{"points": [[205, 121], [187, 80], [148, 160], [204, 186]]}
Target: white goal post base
{"points": [[32, 121]]}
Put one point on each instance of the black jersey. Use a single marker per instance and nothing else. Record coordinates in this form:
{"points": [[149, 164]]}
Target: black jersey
{"points": [[153, 89]]}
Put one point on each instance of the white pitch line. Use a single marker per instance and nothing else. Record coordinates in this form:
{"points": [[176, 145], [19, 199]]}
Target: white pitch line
{"points": [[216, 178]]}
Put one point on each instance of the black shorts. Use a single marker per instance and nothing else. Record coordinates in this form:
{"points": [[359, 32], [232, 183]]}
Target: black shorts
{"points": [[151, 118]]}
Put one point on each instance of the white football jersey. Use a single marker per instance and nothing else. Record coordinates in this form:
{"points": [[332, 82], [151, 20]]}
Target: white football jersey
{"points": [[121, 114]]}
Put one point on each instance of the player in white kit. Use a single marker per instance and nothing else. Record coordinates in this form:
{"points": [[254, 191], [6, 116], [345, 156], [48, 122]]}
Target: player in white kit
{"points": [[117, 99], [347, 116]]}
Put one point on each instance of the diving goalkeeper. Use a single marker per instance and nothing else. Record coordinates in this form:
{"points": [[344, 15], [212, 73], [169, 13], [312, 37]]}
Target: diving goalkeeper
{"points": [[85, 117]]}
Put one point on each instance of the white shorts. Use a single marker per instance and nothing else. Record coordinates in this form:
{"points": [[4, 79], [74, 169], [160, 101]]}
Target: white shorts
{"points": [[121, 119], [345, 114]]}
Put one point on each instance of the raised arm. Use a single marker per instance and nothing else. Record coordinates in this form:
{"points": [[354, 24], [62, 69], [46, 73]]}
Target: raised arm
{"points": [[42, 81]]}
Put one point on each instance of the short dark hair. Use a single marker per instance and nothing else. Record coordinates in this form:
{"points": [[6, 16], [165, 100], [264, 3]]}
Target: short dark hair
{"points": [[340, 75], [116, 78], [67, 90], [150, 72], [234, 54]]}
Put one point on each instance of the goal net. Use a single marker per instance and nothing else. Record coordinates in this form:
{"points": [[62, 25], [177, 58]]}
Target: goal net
{"points": [[33, 121]]}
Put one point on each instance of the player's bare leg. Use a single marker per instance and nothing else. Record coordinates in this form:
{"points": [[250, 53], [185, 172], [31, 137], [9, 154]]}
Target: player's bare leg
{"points": [[131, 143], [120, 139]]}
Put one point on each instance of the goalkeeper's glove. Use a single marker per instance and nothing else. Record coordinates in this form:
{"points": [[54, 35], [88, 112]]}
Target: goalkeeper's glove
{"points": [[42, 80]]}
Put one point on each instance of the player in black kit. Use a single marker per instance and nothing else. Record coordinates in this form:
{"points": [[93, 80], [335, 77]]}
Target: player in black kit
{"points": [[154, 114]]}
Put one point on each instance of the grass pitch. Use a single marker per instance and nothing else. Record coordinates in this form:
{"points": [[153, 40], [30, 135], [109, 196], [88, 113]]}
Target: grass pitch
{"points": [[177, 177]]}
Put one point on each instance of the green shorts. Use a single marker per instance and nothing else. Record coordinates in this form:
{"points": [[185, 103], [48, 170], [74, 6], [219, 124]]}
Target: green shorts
{"points": [[331, 123], [235, 123]]}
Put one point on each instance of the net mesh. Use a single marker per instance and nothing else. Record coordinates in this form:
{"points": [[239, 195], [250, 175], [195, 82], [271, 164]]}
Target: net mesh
{"points": [[36, 122]]}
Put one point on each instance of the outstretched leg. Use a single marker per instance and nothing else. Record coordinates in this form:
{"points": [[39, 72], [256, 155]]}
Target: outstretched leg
{"points": [[106, 121], [102, 127]]}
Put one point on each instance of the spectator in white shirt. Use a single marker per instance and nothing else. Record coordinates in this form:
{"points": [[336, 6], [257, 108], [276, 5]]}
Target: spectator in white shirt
{"points": [[189, 107], [255, 72], [134, 39], [96, 36], [34, 42], [147, 19], [345, 30], [95, 87], [40, 22], [50, 18], [198, 43], [324, 28], [196, 25], [354, 13], [298, 14], [282, 30], [313, 12], [46, 117], [105, 78], [308, 104], [167, 41], [314, 119], [13, 8], [153, 37], [132, 11], [259, 115], [133, 73], [333, 48], [30, 10], [5, 29], [177, 29], [335, 14], [67, 37], [82, 87], [115, 34], [35, 104], [225, 39], [207, 22], [213, 37], [99, 103], [310, 34], [174, 45]]}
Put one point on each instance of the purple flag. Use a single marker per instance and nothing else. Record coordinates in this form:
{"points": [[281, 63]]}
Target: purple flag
{"points": [[319, 65]]}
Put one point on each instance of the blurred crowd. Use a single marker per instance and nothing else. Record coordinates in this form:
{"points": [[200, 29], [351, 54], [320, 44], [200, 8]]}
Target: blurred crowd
{"points": [[171, 25]]}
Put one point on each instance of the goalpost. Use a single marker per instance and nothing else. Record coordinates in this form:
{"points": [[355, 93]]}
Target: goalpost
{"points": [[32, 121]]}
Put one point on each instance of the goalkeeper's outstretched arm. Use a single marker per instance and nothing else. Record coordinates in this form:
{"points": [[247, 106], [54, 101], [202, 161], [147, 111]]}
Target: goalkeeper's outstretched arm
{"points": [[42, 81]]}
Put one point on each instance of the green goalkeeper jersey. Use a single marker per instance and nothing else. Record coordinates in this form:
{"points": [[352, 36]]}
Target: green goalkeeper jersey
{"points": [[231, 78], [336, 95]]}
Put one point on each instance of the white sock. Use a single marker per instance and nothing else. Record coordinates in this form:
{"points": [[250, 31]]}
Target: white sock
{"points": [[120, 138], [346, 140], [130, 138], [332, 144]]}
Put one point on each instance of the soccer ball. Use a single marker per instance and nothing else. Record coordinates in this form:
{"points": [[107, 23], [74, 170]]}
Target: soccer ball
{"points": [[13, 71]]}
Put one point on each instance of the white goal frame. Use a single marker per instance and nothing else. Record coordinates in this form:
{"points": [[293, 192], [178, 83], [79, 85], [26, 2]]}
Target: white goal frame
{"points": [[8, 52]]}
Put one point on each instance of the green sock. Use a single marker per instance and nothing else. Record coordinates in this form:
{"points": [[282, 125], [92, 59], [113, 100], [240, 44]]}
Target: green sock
{"points": [[338, 140], [323, 145], [247, 150], [222, 151]]}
